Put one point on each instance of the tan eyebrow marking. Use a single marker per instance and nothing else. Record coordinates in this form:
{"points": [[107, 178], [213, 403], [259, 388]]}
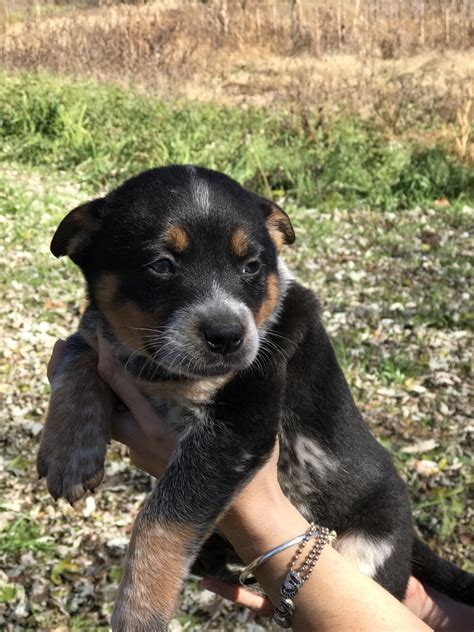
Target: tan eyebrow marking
{"points": [[176, 238], [240, 243]]}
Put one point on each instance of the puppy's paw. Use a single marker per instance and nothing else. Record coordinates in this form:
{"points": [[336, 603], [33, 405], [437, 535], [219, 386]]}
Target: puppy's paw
{"points": [[154, 569], [77, 428], [71, 455], [69, 477], [71, 466]]}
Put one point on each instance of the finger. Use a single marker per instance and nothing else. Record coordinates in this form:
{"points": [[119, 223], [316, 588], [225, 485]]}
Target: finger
{"points": [[114, 374], [414, 589], [238, 594], [55, 359], [126, 430], [421, 604]]}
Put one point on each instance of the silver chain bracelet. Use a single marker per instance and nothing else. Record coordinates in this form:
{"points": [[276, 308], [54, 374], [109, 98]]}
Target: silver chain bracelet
{"points": [[295, 579], [302, 539]]}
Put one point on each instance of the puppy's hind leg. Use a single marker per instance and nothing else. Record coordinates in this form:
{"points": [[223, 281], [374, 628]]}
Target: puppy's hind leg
{"points": [[77, 427]]}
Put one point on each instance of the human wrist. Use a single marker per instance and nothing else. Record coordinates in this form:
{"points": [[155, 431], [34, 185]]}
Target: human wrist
{"points": [[255, 527]]}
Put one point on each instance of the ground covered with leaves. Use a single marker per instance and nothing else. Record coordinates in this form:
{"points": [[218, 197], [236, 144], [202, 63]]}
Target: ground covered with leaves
{"points": [[395, 290]]}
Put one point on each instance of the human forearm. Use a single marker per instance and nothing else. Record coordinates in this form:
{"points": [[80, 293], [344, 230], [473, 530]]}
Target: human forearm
{"points": [[336, 596]]}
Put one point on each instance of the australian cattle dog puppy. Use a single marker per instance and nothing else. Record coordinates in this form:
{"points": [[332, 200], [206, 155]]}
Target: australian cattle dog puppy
{"points": [[184, 278]]}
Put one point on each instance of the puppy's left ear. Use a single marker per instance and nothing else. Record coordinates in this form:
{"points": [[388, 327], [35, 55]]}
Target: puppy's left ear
{"points": [[279, 225], [76, 229]]}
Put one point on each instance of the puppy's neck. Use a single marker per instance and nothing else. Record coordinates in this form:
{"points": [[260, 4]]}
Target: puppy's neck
{"points": [[158, 383], [187, 393]]}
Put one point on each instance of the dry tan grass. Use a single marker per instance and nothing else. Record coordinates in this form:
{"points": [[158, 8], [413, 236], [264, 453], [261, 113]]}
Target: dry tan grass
{"points": [[404, 63], [390, 27], [463, 144]]}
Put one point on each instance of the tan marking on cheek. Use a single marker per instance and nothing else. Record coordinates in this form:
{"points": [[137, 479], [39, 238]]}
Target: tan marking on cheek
{"points": [[157, 562], [129, 322], [270, 301], [239, 243], [176, 238]]}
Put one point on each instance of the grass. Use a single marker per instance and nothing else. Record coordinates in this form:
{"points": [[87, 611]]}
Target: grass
{"points": [[313, 27], [393, 281], [367, 57], [22, 535], [105, 133]]}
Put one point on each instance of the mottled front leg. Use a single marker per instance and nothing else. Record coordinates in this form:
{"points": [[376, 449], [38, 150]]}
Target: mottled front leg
{"points": [[213, 461], [77, 427]]}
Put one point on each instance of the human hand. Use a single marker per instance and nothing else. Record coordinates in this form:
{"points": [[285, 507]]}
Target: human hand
{"points": [[437, 610]]}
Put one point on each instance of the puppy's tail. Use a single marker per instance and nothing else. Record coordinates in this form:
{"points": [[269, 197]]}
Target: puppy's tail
{"points": [[442, 575]]}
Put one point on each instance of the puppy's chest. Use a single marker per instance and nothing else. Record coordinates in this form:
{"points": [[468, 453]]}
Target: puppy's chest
{"points": [[176, 418], [179, 402]]}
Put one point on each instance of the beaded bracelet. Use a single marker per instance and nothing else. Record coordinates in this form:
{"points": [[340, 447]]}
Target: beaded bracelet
{"points": [[295, 579]]}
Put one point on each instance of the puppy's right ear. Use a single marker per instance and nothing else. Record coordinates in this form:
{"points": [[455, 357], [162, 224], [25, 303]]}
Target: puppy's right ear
{"points": [[76, 229]]}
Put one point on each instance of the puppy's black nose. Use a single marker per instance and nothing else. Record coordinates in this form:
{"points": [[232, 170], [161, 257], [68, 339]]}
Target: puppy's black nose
{"points": [[223, 337]]}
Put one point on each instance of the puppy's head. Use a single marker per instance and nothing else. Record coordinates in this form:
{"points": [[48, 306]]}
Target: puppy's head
{"points": [[183, 263]]}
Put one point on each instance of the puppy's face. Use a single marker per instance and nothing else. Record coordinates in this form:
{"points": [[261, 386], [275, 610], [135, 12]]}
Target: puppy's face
{"points": [[183, 263]]}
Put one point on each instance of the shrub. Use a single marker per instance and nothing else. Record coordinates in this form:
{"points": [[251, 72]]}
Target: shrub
{"points": [[107, 134]]}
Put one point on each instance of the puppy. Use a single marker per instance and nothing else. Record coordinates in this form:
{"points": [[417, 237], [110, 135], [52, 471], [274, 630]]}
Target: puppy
{"points": [[185, 280]]}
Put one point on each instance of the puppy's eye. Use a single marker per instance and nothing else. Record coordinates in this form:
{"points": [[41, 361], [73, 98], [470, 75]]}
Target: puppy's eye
{"points": [[251, 267], [163, 266]]}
